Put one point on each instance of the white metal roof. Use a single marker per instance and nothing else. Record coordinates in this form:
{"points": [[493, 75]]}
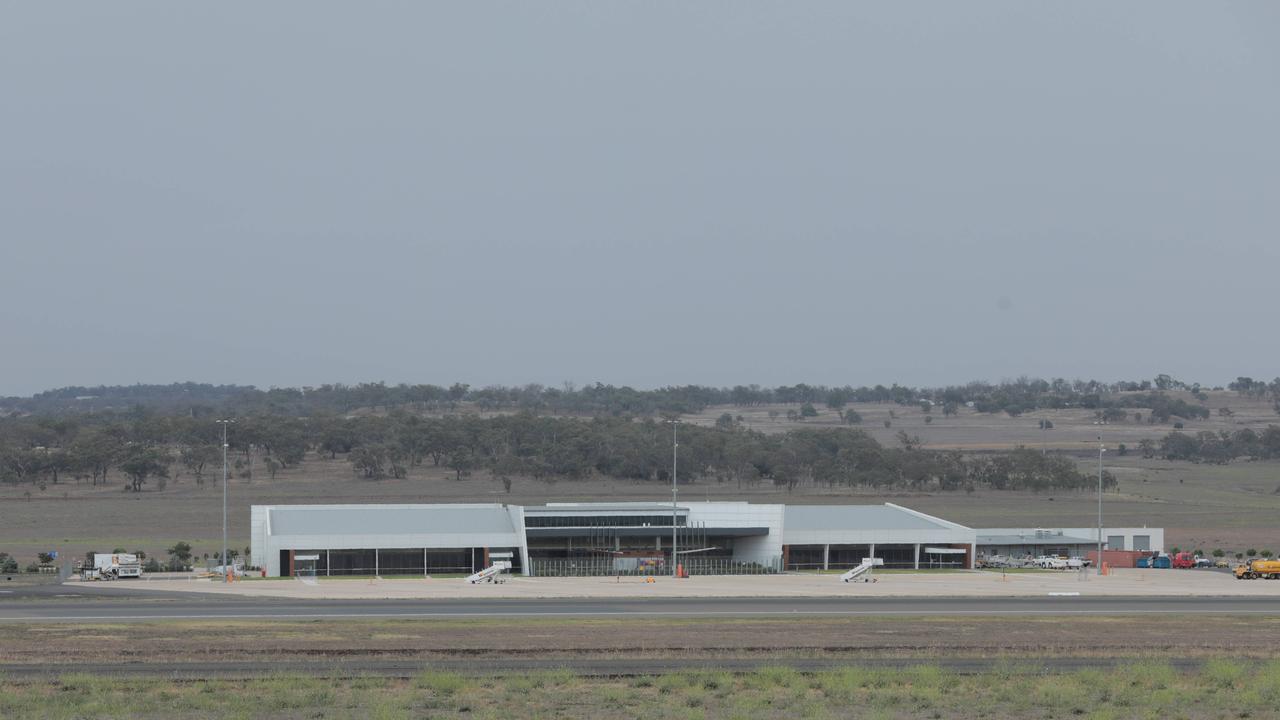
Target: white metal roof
{"points": [[859, 517], [368, 520]]}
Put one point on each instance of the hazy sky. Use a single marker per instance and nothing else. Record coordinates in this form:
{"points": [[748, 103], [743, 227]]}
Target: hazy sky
{"points": [[640, 193]]}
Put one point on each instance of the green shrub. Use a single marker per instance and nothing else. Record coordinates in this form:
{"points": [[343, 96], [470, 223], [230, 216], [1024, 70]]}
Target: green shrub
{"points": [[1222, 673], [441, 683]]}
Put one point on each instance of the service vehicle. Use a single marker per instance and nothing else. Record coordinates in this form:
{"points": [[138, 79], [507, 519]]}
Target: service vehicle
{"points": [[113, 566], [1258, 568]]}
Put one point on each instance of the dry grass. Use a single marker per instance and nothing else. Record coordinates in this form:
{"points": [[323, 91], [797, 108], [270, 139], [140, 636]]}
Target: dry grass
{"points": [[583, 638], [1221, 689]]}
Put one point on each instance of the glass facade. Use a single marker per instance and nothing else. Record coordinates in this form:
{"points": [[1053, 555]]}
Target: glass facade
{"points": [[394, 561]]}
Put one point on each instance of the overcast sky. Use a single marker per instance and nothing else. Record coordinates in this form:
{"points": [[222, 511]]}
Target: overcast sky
{"points": [[641, 193]]}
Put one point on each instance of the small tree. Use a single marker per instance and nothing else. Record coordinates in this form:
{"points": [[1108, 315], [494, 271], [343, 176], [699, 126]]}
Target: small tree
{"points": [[1174, 550], [928, 419], [725, 421], [808, 410], [370, 460], [887, 423], [1251, 552], [180, 554], [1218, 553], [461, 461], [45, 558], [1124, 450], [142, 462], [851, 417], [1265, 553]]}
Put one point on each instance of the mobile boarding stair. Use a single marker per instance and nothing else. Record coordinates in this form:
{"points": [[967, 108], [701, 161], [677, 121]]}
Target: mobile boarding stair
{"points": [[862, 571], [492, 573]]}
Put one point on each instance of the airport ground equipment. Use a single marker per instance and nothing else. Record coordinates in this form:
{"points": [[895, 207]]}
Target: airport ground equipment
{"points": [[863, 569], [491, 573], [1258, 568], [1184, 561], [1158, 562], [111, 566]]}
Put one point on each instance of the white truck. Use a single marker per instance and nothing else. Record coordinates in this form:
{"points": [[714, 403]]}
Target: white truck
{"points": [[111, 566], [1055, 562]]}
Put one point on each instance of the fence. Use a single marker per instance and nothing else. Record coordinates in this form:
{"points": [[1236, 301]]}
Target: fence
{"points": [[606, 567]]}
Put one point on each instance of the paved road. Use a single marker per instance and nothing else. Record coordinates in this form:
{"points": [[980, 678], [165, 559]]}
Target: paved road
{"points": [[65, 604]]}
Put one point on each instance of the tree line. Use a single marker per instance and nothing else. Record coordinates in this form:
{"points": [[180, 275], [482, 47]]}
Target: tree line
{"points": [[149, 450], [1216, 447], [1013, 397]]}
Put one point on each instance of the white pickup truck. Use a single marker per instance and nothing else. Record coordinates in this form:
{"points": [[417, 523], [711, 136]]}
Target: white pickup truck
{"points": [[1052, 562]]}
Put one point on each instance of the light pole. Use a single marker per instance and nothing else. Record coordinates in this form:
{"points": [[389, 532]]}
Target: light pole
{"points": [[225, 566], [1101, 449], [675, 449]]}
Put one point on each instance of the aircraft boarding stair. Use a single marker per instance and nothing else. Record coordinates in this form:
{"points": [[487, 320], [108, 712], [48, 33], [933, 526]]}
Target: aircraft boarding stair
{"points": [[490, 573], [864, 568]]}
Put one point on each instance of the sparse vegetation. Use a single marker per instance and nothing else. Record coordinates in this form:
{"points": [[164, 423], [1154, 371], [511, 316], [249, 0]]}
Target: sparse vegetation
{"points": [[1146, 688], [142, 445], [1013, 397]]}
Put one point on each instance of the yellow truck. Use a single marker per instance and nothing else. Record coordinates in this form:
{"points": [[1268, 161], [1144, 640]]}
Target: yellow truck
{"points": [[1254, 569]]}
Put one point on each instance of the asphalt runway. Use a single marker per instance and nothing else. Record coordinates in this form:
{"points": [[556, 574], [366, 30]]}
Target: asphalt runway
{"points": [[54, 603]]}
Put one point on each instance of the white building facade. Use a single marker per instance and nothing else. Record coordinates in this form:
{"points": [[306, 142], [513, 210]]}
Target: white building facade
{"points": [[623, 538]]}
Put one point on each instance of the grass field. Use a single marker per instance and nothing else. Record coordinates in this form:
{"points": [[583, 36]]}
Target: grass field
{"points": [[1073, 429], [1233, 507], [169, 643], [1222, 688], [1226, 668]]}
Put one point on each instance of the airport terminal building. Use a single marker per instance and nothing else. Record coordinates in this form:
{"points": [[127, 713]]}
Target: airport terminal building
{"points": [[560, 539]]}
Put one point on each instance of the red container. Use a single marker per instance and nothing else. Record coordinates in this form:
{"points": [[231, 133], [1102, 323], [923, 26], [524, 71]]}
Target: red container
{"points": [[1117, 558]]}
